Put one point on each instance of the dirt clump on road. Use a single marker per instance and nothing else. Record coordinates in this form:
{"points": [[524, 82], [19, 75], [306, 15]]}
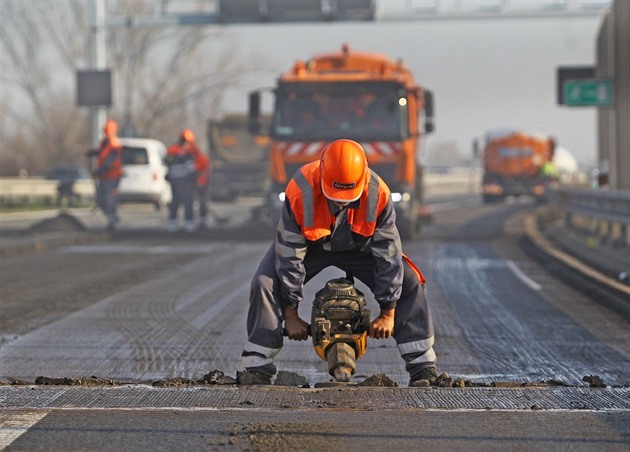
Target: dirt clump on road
{"points": [[378, 380], [286, 436], [61, 223], [216, 377], [594, 381], [284, 378], [70, 381]]}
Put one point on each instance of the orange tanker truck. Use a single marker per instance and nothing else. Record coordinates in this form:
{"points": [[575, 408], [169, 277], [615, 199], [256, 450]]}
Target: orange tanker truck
{"points": [[515, 163], [365, 97]]}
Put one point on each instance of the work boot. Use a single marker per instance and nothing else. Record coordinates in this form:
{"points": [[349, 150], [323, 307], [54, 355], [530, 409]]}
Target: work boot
{"points": [[172, 226], [426, 377], [190, 227], [252, 377]]}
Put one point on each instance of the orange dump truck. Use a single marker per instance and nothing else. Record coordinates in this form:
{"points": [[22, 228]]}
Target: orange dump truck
{"points": [[239, 159], [514, 164], [365, 97]]}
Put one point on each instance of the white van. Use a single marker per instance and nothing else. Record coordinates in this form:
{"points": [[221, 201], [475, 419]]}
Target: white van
{"points": [[143, 172]]}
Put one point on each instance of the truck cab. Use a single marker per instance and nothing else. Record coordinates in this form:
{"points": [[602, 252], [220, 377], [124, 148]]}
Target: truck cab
{"points": [[359, 96]]}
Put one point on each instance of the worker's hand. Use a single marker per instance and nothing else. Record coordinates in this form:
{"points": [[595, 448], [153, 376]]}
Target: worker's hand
{"points": [[382, 327], [297, 329]]}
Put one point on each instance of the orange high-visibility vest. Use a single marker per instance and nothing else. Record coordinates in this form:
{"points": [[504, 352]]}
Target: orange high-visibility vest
{"points": [[310, 206], [109, 146]]}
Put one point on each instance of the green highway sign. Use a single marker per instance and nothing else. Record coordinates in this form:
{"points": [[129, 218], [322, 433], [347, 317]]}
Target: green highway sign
{"points": [[588, 92]]}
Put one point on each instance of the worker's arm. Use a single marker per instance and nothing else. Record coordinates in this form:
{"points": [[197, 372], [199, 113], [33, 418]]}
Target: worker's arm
{"points": [[290, 249], [386, 249]]}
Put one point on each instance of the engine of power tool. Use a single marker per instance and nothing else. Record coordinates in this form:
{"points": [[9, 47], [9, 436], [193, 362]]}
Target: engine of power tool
{"points": [[340, 323]]}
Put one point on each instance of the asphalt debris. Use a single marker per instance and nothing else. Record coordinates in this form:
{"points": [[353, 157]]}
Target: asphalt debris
{"points": [[287, 437], [292, 379], [69, 381], [62, 222], [594, 381], [378, 380], [216, 377], [284, 378]]}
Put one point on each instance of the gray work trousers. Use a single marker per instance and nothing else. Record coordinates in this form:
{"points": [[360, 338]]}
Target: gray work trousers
{"points": [[183, 194], [107, 198], [413, 324]]}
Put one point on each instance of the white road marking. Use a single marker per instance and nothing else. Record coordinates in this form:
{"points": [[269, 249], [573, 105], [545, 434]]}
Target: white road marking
{"points": [[14, 425], [522, 276]]}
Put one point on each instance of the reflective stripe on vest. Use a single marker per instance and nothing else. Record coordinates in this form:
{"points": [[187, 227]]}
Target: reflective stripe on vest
{"points": [[310, 206]]}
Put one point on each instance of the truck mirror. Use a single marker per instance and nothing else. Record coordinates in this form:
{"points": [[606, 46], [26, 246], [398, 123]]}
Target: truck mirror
{"points": [[428, 103], [254, 112], [428, 126], [475, 146]]}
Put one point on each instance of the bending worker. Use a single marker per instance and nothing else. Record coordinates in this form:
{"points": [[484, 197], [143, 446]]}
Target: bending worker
{"points": [[338, 212]]}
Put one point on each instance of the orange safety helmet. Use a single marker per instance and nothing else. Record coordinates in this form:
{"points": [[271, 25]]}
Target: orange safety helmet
{"points": [[110, 128], [344, 170], [188, 135]]}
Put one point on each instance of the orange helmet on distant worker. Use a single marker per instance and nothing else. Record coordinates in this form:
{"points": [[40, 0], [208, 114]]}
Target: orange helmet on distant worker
{"points": [[344, 171], [188, 135], [110, 128]]}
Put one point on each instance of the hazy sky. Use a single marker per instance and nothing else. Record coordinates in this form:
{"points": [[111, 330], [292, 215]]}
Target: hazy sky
{"points": [[484, 74]]}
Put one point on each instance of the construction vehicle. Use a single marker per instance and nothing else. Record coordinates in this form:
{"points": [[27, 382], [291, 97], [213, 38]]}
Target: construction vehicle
{"points": [[513, 163], [365, 97], [239, 159]]}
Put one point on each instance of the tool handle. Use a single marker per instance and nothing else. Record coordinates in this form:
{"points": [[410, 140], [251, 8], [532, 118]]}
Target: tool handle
{"points": [[285, 333]]}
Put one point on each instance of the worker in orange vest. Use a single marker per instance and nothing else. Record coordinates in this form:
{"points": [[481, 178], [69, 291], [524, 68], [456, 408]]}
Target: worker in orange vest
{"points": [[338, 212], [182, 175], [108, 173], [202, 187]]}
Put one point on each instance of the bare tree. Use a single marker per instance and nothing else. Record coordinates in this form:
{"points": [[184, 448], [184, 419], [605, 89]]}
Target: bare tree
{"points": [[41, 123], [165, 77]]}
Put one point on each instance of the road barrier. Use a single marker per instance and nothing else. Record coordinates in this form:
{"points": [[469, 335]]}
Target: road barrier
{"points": [[27, 191], [33, 190], [452, 181], [602, 214]]}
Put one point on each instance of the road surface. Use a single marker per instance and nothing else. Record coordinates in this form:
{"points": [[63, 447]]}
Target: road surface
{"points": [[152, 307]]}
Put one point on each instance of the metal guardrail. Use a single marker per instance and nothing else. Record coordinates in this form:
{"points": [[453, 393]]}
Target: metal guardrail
{"points": [[24, 191], [600, 212]]}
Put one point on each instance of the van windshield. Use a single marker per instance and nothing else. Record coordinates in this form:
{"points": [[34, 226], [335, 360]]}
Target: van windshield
{"points": [[134, 156]]}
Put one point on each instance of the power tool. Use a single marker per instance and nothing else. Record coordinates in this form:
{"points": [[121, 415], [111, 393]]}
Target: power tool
{"points": [[340, 323]]}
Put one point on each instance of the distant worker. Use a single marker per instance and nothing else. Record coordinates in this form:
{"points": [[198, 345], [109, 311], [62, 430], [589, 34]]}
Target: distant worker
{"points": [[337, 212], [108, 173], [180, 159], [549, 172], [202, 185]]}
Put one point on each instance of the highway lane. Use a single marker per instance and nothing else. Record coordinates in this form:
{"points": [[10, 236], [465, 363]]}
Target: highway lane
{"points": [[148, 305], [176, 307]]}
